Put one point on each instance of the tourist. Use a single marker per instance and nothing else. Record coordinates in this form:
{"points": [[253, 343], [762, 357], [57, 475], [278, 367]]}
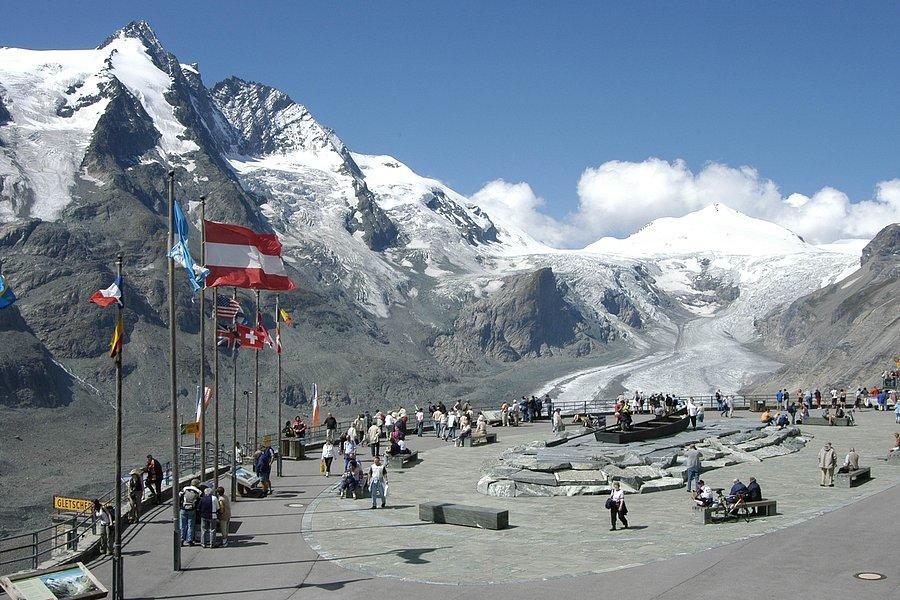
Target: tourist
{"points": [[188, 499], [348, 449], [135, 494], [378, 482], [452, 420], [420, 421], [504, 414], [851, 462], [330, 427], [287, 430], [827, 462], [729, 404], [557, 421], [209, 508], [700, 412], [548, 405], [481, 425], [264, 468], [374, 437], [738, 490], [766, 417], [103, 516], [826, 414], [299, 427], [779, 400], [704, 494], [436, 421], [719, 403], [616, 505], [154, 478], [754, 494], [327, 457], [896, 411], [804, 414], [692, 412], [692, 464], [466, 432], [224, 514], [238, 454], [792, 410], [351, 480], [782, 420]]}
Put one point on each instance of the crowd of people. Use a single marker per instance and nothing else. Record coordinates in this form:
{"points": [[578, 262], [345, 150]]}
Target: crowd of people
{"points": [[525, 410]]}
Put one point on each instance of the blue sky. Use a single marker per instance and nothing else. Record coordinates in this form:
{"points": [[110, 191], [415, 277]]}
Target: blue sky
{"points": [[470, 92]]}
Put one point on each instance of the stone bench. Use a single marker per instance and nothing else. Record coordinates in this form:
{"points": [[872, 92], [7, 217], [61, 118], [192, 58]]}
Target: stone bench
{"points": [[842, 422], [704, 514], [401, 461], [476, 440], [467, 516], [851, 478]]}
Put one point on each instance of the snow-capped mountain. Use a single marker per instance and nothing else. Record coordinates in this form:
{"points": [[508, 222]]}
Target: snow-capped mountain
{"points": [[86, 136]]}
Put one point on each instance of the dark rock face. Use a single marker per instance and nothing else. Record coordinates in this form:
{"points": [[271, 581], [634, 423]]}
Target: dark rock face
{"points": [[28, 374], [845, 334], [4, 115], [529, 316], [124, 132], [470, 230], [619, 304], [378, 231]]}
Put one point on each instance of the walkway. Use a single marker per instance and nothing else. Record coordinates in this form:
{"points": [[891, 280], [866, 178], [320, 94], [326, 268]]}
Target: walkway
{"points": [[270, 559]]}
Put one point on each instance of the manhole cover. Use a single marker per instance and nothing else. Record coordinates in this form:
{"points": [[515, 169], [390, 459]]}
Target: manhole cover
{"points": [[869, 576], [294, 505]]}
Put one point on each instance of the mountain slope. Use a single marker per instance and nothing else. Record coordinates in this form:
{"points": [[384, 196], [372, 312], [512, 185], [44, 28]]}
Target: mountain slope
{"points": [[844, 334]]}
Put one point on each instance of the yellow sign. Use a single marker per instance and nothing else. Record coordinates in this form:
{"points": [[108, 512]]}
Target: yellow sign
{"points": [[193, 427], [78, 505]]}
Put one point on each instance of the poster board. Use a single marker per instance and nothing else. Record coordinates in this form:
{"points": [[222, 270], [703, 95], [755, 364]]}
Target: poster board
{"points": [[65, 582]]}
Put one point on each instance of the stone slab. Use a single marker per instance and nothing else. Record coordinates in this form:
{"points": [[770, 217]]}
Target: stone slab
{"points": [[662, 484], [502, 489], [464, 515], [536, 477], [575, 477]]}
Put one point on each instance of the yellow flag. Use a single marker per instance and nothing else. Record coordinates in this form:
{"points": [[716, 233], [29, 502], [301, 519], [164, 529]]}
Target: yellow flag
{"points": [[115, 346], [286, 318]]}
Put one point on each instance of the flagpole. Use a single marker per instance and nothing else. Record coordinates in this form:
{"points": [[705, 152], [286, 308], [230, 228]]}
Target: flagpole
{"points": [[203, 343], [234, 413], [173, 383], [278, 350], [256, 387], [118, 578], [215, 376]]}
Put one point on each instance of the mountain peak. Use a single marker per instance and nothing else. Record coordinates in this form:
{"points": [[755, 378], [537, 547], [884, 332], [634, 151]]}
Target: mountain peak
{"points": [[141, 30], [716, 228]]}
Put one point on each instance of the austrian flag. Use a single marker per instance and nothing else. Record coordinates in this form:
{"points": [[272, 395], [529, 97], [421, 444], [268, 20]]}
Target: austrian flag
{"points": [[239, 257]]}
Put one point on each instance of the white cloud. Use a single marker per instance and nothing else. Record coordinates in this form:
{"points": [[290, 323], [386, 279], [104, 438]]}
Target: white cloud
{"points": [[618, 197]]}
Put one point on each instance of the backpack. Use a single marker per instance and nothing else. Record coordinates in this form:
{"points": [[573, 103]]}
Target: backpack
{"points": [[189, 499]]}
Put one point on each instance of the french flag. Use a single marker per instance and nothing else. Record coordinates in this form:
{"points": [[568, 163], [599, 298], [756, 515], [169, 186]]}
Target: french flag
{"points": [[240, 257], [109, 296]]}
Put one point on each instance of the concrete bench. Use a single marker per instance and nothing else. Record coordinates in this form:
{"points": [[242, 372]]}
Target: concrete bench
{"points": [[477, 440], [401, 461], [842, 422], [851, 478], [704, 514], [467, 516]]}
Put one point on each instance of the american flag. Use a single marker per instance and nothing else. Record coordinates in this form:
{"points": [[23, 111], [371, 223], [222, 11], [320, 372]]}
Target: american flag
{"points": [[229, 308], [227, 338]]}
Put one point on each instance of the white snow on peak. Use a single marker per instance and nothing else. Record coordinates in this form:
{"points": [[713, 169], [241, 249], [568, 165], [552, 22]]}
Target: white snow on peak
{"points": [[715, 229], [55, 98], [852, 246]]}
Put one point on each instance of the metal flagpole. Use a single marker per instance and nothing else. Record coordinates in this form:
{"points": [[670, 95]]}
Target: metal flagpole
{"points": [[256, 387], [118, 577], [203, 343], [173, 383], [215, 382], [278, 349], [234, 413]]}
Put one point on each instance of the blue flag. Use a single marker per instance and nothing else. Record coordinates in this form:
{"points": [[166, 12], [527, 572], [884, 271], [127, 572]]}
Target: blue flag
{"points": [[6, 294], [182, 255]]}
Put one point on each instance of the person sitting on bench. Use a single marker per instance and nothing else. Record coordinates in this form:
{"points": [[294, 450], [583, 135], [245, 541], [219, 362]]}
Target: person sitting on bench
{"points": [[398, 447], [737, 496], [754, 493], [851, 462], [704, 494], [626, 422], [826, 414], [465, 433]]}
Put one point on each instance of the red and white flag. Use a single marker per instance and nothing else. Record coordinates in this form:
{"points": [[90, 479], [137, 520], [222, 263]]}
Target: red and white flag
{"points": [[109, 296], [251, 337], [261, 329], [240, 257], [278, 338]]}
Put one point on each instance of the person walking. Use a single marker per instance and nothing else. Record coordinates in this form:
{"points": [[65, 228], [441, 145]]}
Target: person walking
{"points": [[327, 457], [264, 468], [188, 499], [692, 412], [224, 514], [103, 516], [330, 427], [374, 436], [349, 451], [154, 478], [378, 482], [729, 404], [692, 463], [616, 505], [420, 421], [209, 509], [557, 421], [135, 495], [827, 462]]}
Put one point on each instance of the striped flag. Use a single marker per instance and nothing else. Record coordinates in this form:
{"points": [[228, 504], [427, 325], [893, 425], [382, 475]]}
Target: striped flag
{"points": [[240, 257], [207, 396], [278, 338], [314, 421], [228, 308]]}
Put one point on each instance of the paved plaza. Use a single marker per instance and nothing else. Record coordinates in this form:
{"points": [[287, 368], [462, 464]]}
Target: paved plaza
{"points": [[304, 542]]}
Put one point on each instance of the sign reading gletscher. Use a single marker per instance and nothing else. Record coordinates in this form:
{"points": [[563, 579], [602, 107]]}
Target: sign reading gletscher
{"points": [[67, 504]]}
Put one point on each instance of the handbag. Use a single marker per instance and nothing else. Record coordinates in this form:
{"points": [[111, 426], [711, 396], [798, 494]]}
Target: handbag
{"points": [[610, 504], [322, 466]]}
